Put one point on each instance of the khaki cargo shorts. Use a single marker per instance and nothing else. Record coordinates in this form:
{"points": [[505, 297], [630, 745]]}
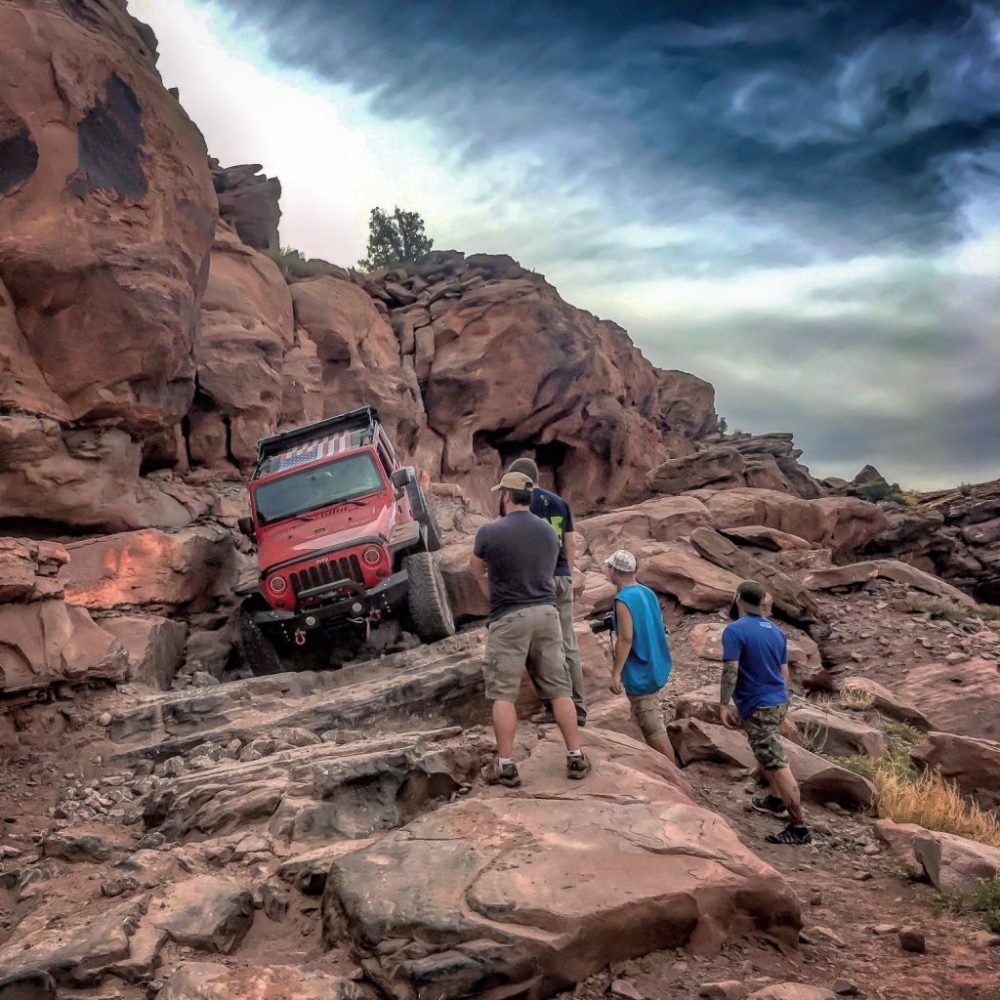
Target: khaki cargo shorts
{"points": [[532, 631], [765, 741], [647, 713]]}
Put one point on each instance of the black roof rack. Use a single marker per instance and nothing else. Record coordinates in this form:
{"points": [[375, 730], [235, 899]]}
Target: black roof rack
{"points": [[361, 419]]}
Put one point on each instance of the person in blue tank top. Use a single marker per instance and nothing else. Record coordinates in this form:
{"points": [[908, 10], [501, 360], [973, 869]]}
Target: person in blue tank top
{"points": [[641, 655]]}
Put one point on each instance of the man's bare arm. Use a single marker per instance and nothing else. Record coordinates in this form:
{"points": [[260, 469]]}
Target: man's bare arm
{"points": [[730, 671], [569, 540], [784, 673], [623, 644], [478, 569]]}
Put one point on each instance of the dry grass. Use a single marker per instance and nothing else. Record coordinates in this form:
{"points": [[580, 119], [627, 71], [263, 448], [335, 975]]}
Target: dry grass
{"points": [[934, 803], [906, 795]]}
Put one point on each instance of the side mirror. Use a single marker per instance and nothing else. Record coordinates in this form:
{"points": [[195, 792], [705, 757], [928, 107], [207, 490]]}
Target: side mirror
{"points": [[245, 524], [401, 478]]}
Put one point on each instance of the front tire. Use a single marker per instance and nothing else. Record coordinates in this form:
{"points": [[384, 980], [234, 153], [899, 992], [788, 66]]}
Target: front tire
{"points": [[429, 609], [259, 655]]}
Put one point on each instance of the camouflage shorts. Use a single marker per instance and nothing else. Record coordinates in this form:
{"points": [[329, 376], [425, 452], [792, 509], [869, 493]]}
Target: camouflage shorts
{"points": [[762, 731]]}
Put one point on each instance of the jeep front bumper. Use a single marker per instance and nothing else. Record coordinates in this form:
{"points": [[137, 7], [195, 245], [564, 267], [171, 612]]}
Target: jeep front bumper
{"points": [[382, 598]]}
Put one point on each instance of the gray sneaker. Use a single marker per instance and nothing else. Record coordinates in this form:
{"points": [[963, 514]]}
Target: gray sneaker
{"points": [[543, 718], [577, 767], [493, 774]]}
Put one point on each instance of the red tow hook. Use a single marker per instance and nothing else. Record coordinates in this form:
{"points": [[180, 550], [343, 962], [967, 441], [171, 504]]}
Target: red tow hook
{"points": [[300, 637]]}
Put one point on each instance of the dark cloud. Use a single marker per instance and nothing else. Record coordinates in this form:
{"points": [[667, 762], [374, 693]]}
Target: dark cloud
{"points": [[843, 115]]}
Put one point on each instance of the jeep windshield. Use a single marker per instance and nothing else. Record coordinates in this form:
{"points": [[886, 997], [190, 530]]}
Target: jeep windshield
{"points": [[322, 486]]}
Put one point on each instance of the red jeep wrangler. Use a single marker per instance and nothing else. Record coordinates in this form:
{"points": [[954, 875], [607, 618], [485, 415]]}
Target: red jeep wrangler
{"points": [[344, 539]]}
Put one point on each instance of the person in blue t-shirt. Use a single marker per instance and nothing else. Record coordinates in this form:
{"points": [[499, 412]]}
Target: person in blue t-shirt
{"points": [[641, 655], [755, 677], [552, 508]]}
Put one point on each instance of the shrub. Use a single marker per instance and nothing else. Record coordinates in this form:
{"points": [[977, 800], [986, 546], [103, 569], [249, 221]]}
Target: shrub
{"points": [[864, 766], [856, 697], [879, 489], [938, 609], [986, 900], [905, 733]]}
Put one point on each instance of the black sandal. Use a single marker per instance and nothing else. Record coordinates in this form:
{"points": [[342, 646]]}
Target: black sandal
{"points": [[792, 834]]}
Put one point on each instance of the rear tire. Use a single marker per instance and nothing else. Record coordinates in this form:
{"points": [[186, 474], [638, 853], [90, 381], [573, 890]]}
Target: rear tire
{"points": [[430, 611], [259, 655]]}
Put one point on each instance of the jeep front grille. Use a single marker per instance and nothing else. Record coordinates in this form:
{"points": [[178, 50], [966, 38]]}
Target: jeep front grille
{"points": [[348, 568]]}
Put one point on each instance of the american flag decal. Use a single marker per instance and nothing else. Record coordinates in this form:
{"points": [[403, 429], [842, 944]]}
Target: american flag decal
{"points": [[316, 450]]}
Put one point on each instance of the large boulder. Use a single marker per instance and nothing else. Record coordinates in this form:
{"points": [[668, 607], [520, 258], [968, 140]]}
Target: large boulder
{"points": [[48, 642], [958, 697], [465, 595], [542, 888], [973, 764], [833, 577], [864, 691], [761, 537], [893, 569], [192, 568], [247, 327], [207, 912], [953, 863], [819, 779], [718, 467], [844, 524], [663, 519], [155, 646], [837, 734], [107, 213], [676, 570]]}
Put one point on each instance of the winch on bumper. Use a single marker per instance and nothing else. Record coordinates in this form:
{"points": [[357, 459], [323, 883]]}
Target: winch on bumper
{"points": [[361, 605]]}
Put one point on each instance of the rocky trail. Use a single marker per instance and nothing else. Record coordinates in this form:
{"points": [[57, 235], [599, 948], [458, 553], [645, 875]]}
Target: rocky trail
{"points": [[255, 818]]}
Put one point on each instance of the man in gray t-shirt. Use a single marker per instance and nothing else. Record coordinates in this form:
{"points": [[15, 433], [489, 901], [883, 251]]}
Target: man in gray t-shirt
{"points": [[514, 559]]}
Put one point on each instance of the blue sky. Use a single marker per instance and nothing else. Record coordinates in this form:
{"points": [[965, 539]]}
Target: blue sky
{"points": [[797, 202]]}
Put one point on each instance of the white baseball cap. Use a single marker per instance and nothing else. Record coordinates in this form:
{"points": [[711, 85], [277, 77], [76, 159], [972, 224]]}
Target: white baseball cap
{"points": [[622, 560]]}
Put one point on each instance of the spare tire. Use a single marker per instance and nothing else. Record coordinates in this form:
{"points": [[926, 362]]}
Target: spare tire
{"points": [[430, 612]]}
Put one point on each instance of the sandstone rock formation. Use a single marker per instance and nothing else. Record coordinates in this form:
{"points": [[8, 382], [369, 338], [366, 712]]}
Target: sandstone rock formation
{"points": [[954, 533], [106, 211], [247, 328], [561, 384], [249, 202], [768, 461]]}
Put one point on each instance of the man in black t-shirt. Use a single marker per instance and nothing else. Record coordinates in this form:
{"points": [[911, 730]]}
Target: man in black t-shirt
{"points": [[514, 559], [552, 508]]}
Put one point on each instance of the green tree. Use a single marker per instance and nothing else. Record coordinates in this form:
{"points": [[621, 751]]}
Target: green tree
{"points": [[394, 237]]}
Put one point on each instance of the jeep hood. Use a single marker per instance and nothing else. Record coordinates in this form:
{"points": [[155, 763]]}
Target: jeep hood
{"points": [[307, 535]]}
